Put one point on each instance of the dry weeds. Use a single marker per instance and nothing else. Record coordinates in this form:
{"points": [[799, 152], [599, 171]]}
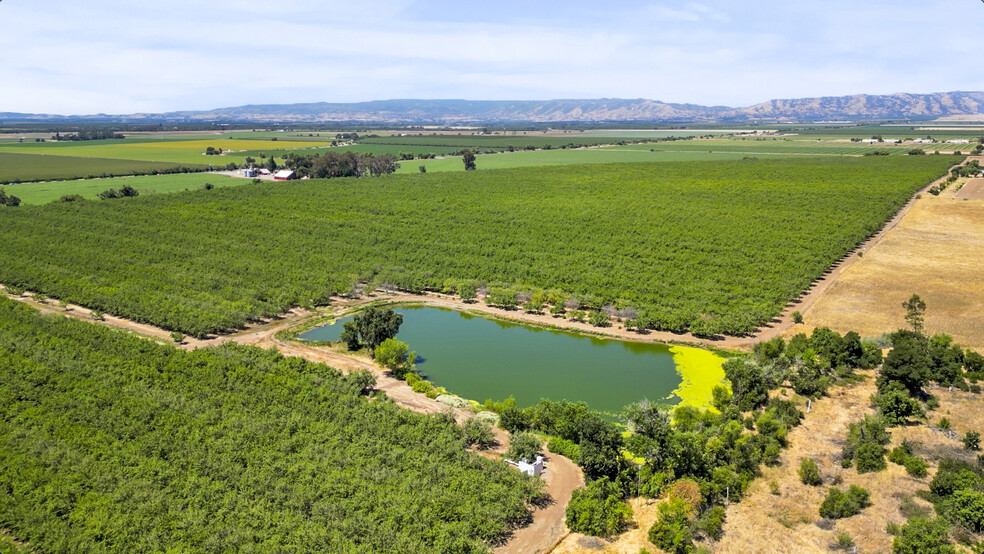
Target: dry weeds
{"points": [[937, 252]]}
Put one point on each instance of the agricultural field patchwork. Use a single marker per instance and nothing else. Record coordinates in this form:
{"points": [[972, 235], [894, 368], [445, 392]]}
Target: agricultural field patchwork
{"points": [[49, 191], [714, 246], [569, 157], [177, 151], [18, 167]]}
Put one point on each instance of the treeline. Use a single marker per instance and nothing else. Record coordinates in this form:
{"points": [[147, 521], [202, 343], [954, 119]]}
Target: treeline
{"points": [[970, 169], [172, 170], [331, 164], [710, 247], [88, 134], [111, 443]]}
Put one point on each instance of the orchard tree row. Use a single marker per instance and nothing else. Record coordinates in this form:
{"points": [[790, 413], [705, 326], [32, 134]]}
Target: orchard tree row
{"points": [[705, 246], [111, 443]]}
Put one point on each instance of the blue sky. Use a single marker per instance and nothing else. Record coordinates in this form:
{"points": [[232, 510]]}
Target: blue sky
{"points": [[111, 56]]}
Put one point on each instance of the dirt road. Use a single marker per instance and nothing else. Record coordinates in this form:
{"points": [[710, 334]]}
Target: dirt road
{"points": [[548, 527]]}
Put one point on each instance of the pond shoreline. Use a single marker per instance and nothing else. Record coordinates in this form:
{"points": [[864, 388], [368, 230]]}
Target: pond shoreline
{"points": [[497, 357]]}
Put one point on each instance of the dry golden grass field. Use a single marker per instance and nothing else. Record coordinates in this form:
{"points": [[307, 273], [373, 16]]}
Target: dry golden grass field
{"points": [[787, 522], [937, 252]]}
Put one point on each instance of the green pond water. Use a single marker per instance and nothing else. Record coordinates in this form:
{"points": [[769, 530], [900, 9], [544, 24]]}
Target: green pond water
{"points": [[480, 358]]}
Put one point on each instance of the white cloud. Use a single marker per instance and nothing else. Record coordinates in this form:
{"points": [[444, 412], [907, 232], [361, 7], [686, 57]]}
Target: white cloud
{"points": [[110, 56]]}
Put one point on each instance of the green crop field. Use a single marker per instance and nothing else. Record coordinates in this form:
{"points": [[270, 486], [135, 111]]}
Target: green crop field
{"points": [[495, 142], [112, 443], [178, 151], [721, 244], [49, 191], [538, 158], [754, 146], [35, 167]]}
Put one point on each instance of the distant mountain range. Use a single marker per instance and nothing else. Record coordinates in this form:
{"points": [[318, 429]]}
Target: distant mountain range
{"points": [[953, 105]]}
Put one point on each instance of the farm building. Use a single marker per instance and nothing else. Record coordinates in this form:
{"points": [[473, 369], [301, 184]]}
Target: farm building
{"points": [[958, 141], [262, 171], [284, 175], [532, 469]]}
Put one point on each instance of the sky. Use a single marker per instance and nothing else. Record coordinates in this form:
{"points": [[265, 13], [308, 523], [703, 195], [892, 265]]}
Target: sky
{"points": [[119, 57]]}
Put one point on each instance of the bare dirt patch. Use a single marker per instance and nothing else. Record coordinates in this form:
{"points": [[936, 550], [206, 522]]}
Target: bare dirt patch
{"points": [[974, 189], [935, 252]]}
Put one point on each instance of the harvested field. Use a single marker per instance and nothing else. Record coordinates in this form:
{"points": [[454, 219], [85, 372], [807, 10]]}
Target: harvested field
{"points": [[974, 189], [935, 252]]}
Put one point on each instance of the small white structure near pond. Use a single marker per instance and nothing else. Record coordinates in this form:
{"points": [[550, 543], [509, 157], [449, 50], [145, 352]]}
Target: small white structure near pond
{"points": [[533, 470]]}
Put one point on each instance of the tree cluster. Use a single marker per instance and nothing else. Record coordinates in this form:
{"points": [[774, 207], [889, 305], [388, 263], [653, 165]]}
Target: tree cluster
{"points": [[370, 328], [89, 134], [8, 199], [126, 191]]}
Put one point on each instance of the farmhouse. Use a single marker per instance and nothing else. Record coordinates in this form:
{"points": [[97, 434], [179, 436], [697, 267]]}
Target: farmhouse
{"points": [[284, 175], [958, 141]]}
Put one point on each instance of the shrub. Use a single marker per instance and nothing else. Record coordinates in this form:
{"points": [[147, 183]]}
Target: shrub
{"points": [[896, 406], [809, 473], [598, 318], [797, 317], [524, 446], [177, 337], [967, 508], [563, 447], [870, 457], [671, 532], [944, 423], [972, 440], [711, 523], [478, 433], [954, 475], [598, 510], [916, 467], [923, 536], [513, 419], [844, 542], [395, 356], [839, 504], [868, 431]]}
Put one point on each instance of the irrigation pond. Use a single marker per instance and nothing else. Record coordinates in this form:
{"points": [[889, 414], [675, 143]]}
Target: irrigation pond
{"points": [[479, 358]]}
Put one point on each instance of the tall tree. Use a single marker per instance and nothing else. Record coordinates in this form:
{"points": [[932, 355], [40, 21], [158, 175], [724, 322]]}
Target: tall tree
{"points": [[915, 308], [377, 325], [468, 157]]}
